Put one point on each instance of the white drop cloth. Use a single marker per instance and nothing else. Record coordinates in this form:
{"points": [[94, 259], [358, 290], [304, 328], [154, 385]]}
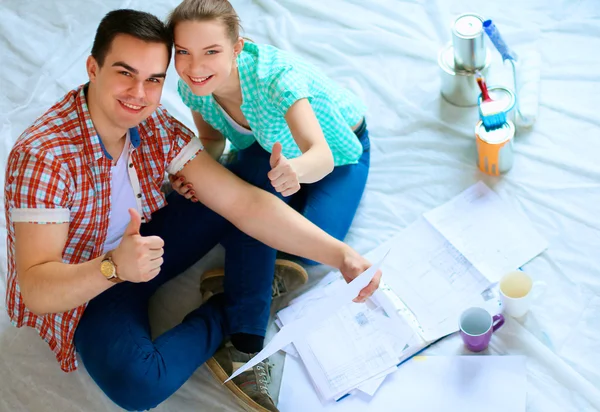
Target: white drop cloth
{"points": [[422, 155]]}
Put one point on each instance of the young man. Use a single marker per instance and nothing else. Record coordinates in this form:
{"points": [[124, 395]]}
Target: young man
{"points": [[91, 237]]}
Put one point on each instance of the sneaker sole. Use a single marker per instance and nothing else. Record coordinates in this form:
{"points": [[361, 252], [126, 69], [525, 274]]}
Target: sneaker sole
{"points": [[207, 279], [294, 266], [244, 400], [216, 273]]}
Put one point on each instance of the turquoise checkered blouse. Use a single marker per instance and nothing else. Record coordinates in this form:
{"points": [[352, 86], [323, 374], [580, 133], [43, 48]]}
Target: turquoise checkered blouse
{"points": [[271, 81]]}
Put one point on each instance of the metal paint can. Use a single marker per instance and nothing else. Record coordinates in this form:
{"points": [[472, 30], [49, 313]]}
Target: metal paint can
{"points": [[469, 44], [506, 99], [495, 148], [459, 86]]}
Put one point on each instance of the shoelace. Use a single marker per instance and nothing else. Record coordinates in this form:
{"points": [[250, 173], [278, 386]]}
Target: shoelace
{"points": [[278, 286], [263, 372]]}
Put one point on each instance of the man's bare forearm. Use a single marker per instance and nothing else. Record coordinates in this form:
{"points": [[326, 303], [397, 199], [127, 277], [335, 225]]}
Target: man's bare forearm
{"points": [[56, 287]]}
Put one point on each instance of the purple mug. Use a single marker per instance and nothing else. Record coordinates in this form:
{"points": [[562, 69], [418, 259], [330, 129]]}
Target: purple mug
{"points": [[476, 328]]}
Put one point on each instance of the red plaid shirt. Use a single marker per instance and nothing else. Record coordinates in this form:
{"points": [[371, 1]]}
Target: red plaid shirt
{"points": [[58, 173]]}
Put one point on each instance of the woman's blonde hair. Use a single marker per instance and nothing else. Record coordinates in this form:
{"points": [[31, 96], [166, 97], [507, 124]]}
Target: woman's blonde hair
{"points": [[206, 10]]}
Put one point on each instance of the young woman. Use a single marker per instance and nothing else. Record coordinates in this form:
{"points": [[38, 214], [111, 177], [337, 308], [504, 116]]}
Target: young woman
{"points": [[295, 132]]}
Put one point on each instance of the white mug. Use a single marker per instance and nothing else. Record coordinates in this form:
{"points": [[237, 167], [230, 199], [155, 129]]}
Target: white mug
{"points": [[517, 291]]}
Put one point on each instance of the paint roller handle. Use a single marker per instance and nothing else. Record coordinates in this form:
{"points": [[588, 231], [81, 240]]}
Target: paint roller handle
{"points": [[494, 34]]}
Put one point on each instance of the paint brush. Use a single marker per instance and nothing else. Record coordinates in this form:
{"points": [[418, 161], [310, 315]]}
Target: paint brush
{"points": [[491, 111]]}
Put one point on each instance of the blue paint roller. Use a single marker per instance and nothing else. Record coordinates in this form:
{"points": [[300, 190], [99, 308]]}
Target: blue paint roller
{"points": [[529, 94], [494, 34]]}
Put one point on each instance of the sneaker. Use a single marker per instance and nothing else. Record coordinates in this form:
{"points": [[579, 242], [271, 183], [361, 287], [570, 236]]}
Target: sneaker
{"points": [[211, 283], [289, 276], [250, 387]]}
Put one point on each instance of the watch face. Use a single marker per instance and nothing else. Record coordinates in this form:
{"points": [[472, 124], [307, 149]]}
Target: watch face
{"points": [[107, 269]]}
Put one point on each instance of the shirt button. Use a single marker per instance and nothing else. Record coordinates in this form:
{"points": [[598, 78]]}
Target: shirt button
{"points": [[143, 219], [139, 195], [130, 165]]}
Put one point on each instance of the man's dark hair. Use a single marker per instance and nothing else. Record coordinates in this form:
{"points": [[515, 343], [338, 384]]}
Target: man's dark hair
{"points": [[138, 24]]}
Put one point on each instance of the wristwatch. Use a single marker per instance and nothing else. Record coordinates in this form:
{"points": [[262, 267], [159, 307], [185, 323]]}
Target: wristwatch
{"points": [[109, 269]]}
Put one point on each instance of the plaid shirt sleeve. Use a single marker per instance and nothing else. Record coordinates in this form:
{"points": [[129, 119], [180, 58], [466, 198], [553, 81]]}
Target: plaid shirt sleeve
{"points": [[184, 144], [38, 188], [286, 88]]}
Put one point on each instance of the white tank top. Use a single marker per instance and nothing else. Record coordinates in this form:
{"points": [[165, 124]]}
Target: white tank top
{"points": [[121, 199], [236, 126]]}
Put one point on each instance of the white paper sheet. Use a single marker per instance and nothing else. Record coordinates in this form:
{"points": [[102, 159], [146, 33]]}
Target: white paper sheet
{"points": [[423, 384], [311, 301], [402, 324], [422, 153], [370, 387], [390, 327], [290, 349], [348, 349], [300, 327], [432, 278], [487, 231]]}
